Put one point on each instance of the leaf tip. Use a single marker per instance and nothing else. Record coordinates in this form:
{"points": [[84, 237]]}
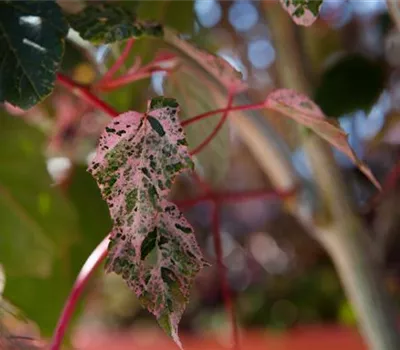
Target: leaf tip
{"points": [[170, 328]]}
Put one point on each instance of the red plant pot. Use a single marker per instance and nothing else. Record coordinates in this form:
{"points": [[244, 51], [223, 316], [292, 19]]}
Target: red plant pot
{"points": [[305, 338]]}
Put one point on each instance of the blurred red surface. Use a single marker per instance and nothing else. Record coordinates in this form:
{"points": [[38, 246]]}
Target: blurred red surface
{"points": [[305, 338]]}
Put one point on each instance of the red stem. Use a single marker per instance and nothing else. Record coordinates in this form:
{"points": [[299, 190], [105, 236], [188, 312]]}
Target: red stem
{"points": [[204, 185], [120, 60], [126, 79], [217, 127], [135, 73], [94, 260], [86, 95], [226, 292], [224, 197], [190, 202], [135, 66], [253, 194], [156, 64], [248, 107]]}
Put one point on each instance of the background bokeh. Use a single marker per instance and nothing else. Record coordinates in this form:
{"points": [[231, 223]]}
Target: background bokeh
{"points": [[280, 276]]}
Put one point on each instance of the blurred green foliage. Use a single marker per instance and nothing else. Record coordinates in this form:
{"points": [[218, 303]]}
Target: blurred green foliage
{"points": [[45, 236], [352, 83]]}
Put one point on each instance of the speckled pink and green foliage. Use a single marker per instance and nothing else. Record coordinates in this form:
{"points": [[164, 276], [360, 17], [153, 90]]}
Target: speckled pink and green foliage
{"points": [[303, 12], [304, 111], [152, 246]]}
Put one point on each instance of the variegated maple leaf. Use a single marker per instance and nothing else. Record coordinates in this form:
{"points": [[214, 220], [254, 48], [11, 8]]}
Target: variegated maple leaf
{"points": [[152, 246], [303, 12], [304, 111]]}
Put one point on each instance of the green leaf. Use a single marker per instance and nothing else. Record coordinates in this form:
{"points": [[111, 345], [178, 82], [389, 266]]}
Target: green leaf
{"points": [[93, 218], [176, 14], [37, 222], [2, 282], [352, 83], [189, 87], [152, 246], [105, 23], [36, 295], [41, 299], [31, 47], [38, 227], [303, 12]]}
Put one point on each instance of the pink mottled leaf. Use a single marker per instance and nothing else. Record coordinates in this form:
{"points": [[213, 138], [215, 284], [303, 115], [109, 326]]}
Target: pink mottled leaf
{"points": [[304, 111], [152, 246], [216, 67], [303, 12]]}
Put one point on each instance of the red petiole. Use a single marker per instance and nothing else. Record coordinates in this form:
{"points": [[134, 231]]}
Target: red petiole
{"points": [[94, 260], [84, 93]]}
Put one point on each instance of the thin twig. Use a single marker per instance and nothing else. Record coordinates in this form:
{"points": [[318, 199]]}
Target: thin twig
{"points": [[191, 202], [248, 107], [127, 79], [217, 128], [136, 73], [226, 197], [84, 93], [254, 194], [120, 61], [94, 260]]}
